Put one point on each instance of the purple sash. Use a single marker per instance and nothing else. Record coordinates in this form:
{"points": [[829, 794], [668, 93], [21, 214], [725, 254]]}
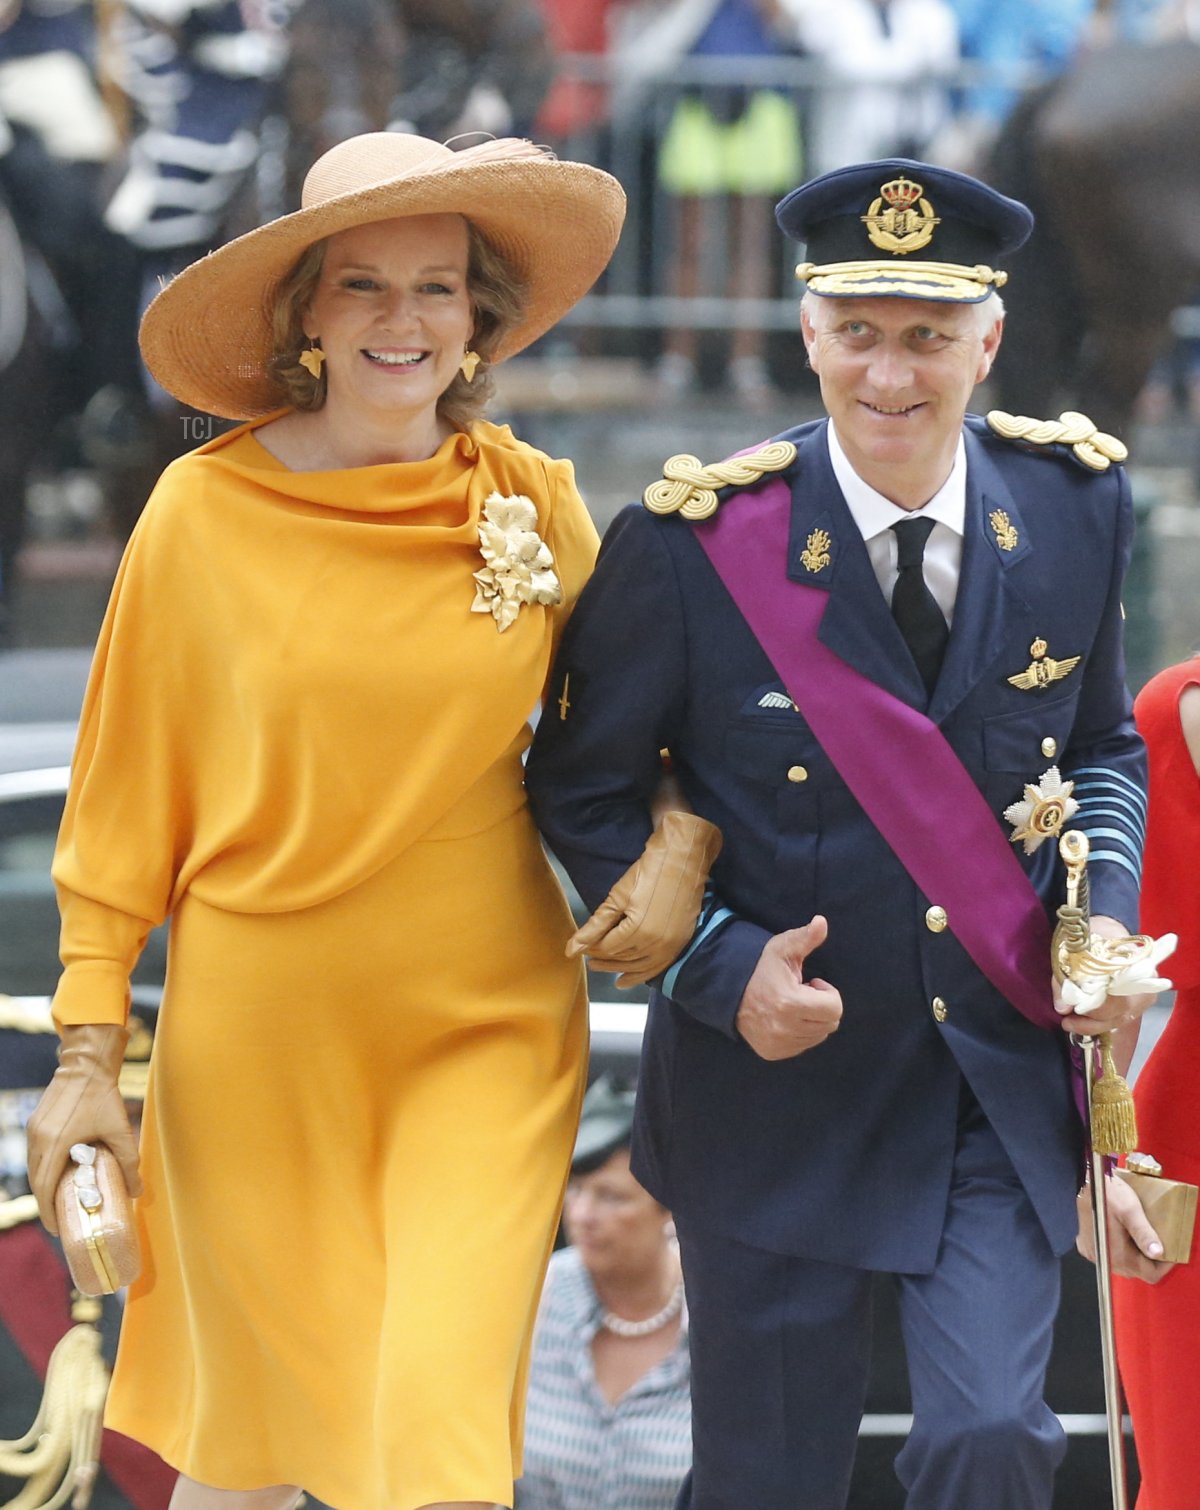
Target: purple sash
{"points": [[891, 757]]}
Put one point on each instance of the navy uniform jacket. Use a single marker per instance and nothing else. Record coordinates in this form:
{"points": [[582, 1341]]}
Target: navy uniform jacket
{"points": [[843, 1154]]}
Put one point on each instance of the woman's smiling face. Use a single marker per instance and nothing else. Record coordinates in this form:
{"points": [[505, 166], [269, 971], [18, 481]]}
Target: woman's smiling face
{"points": [[896, 376], [393, 314]]}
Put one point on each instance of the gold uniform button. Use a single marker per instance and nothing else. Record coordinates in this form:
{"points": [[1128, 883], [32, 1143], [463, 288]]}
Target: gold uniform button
{"points": [[797, 773], [935, 919], [939, 1009], [1049, 747]]}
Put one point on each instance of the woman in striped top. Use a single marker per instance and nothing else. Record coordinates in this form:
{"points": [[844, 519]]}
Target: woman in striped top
{"points": [[609, 1414]]}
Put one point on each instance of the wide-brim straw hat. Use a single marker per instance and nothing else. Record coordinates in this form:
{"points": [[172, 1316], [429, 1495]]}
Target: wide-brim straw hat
{"points": [[207, 336]]}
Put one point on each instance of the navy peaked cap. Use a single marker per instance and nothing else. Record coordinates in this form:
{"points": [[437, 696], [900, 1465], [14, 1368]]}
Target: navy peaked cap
{"points": [[902, 229]]}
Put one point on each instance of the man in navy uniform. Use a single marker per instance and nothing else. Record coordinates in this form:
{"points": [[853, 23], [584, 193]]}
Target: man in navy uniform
{"points": [[862, 645]]}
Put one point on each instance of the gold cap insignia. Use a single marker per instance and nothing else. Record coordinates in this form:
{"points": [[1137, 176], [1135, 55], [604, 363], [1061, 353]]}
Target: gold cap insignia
{"points": [[907, 223], [815, 557], [1005, 531], [1042, 669]]}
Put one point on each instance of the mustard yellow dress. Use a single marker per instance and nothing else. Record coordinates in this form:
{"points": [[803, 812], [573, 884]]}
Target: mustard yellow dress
{"points": [[303, 746]]}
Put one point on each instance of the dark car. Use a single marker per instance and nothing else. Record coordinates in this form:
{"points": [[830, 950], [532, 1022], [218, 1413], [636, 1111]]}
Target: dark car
{"points": [[40, 695], [41, 692]]}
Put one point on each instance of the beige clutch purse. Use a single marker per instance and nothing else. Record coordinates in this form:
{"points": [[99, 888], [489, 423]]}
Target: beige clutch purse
{"points": [[1170, 1205], [95, 1222]]}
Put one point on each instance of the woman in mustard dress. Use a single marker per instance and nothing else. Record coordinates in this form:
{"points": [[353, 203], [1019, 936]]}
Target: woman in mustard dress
{"points": [[302, 742]]}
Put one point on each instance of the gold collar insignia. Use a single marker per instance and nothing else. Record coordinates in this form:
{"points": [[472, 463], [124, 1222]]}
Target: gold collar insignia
{"points": [[1005, 530], [907, 223], [1043, 669], [815, 556]]}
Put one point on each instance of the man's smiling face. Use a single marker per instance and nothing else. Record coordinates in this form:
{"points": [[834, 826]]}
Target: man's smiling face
{"points": [[896, 377]]}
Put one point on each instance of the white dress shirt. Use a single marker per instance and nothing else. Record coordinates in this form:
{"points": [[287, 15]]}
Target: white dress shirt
{"points": [[874, 514]]}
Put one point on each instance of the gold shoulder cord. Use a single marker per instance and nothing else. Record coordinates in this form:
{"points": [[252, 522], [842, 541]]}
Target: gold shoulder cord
{"points": [[1093, 447], [690, 489]]}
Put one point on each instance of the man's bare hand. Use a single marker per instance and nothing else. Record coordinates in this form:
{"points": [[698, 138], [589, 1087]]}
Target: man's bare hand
{"points": [[781, 1014], [1133, 1244]]}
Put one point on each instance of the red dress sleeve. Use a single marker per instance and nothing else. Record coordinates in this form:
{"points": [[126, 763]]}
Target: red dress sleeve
{"points": [[1170, 885]]}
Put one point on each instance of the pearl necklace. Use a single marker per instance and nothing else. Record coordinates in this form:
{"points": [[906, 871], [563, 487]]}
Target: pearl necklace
{"points": [[619, 1326]]}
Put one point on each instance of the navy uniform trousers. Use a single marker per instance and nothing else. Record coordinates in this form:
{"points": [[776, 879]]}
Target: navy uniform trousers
{"points": [[781, 1347]]}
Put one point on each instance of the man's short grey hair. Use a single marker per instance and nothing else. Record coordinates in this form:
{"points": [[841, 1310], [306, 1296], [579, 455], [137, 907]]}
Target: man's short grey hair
{"points": [[989, 310]]}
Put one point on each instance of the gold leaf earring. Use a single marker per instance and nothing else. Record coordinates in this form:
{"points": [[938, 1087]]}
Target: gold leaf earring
{"points": [[469, 363], [313, 360]]}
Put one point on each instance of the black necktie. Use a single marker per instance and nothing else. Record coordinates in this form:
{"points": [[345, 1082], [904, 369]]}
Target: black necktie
{"points": [[914, 607]]}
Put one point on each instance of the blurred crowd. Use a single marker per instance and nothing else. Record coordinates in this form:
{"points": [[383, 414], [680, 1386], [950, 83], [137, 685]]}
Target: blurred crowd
{"points": [[137, 134]]}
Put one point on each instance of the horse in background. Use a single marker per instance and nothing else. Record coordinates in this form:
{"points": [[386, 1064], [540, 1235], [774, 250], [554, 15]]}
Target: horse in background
{"points": [[1106, 158]]}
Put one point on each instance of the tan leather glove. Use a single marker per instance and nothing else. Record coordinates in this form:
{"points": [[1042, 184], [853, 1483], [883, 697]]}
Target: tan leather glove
{"points": [[648, 917], [82, 1104]]}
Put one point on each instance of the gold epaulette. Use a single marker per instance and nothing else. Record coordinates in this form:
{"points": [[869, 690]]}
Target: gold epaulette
{"points": [[26, 1016], [690, 489], [1092, 447], [21, 1208]]}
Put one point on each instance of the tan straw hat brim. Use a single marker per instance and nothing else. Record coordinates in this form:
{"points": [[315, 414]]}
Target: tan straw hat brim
{"points": [[207, 336]]}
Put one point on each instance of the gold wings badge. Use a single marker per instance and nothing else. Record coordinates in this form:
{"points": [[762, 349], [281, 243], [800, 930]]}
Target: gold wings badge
{"points": [[1043, 669]]}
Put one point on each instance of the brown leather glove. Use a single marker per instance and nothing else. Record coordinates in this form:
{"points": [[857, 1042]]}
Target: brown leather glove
{"points": [[648, 917], [82, 1104]]}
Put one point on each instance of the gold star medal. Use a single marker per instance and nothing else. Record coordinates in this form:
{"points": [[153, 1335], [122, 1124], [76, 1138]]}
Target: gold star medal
{"points": [[1043, 811], [1043, 669]]}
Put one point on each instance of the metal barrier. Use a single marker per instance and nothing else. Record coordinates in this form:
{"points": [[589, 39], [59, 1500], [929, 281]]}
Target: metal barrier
{"points": [[636, 292]]}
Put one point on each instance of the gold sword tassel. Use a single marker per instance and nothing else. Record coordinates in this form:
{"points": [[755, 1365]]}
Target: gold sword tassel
{"points": [[1092, 961]]}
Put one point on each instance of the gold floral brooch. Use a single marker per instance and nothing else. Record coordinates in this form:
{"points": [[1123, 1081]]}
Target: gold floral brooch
{"points": [[518, 565]]}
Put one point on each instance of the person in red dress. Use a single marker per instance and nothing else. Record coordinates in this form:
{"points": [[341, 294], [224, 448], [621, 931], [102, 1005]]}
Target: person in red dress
{"points": [[1158, 1325]]}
